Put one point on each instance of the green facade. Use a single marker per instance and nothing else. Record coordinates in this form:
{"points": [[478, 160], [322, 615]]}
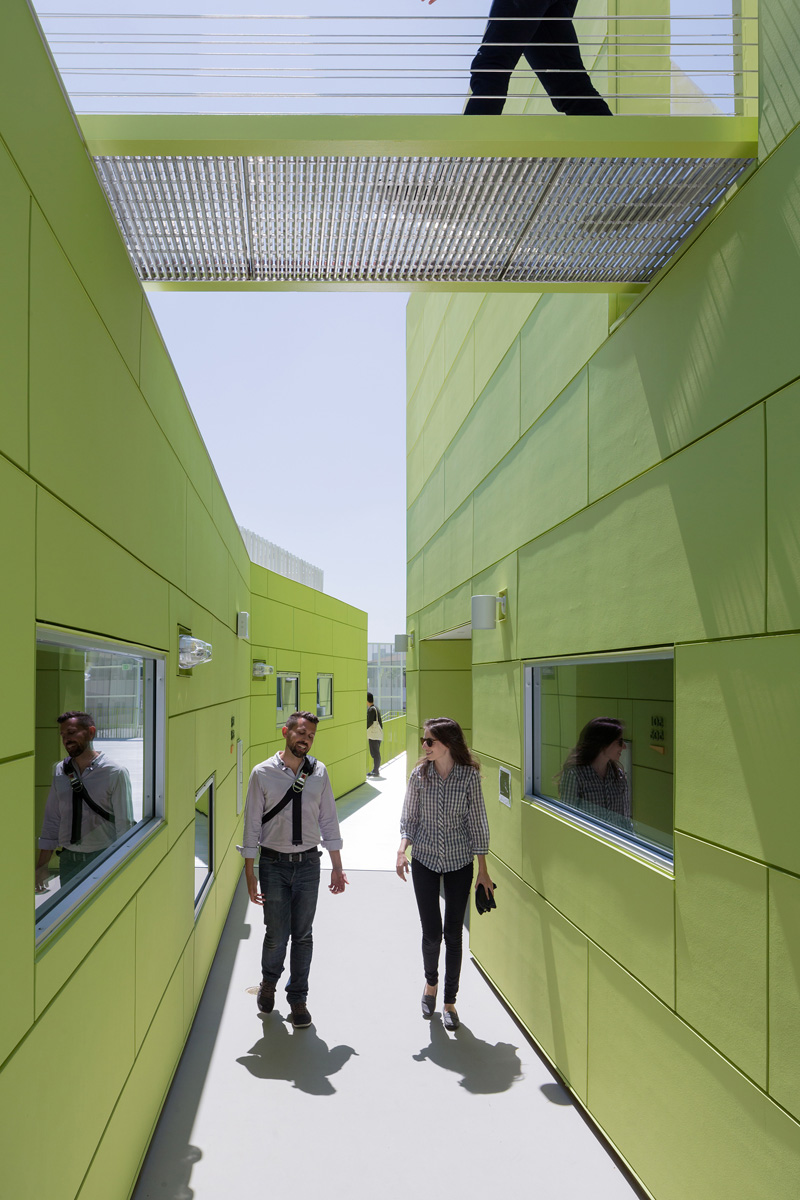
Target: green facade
{"points": [[115, 525], [637, 487]]}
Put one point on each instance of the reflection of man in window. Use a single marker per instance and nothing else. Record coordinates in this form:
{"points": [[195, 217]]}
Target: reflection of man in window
{"points": [[592, 779], [89, 804]]}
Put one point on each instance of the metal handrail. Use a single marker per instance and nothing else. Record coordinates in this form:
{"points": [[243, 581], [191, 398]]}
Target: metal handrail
{"points": [[630, 54]]}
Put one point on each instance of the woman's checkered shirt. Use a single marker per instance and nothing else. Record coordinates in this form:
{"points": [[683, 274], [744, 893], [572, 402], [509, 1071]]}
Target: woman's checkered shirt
{"points": [[445, 819]]}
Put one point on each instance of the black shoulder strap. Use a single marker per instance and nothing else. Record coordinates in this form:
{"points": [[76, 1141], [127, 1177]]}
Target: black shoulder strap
{"points": [[79, 790], [295, 789]]}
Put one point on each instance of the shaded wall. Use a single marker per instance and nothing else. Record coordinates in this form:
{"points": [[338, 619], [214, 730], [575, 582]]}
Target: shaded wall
{"points": [[115, 525]]}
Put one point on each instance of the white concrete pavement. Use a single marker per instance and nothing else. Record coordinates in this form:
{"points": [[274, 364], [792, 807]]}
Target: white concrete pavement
{"points": [[372, 1099]]}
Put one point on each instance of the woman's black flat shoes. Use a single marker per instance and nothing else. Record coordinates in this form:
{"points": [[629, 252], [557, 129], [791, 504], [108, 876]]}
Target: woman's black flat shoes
{"points": [[428, 1004], [450, 1020]]}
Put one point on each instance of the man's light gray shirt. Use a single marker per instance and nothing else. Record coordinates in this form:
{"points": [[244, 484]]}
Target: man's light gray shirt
{"points": [[109, 786], [269, 783]]}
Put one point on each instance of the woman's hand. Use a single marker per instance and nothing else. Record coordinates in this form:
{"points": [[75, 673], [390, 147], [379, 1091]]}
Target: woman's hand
{"points": [[403, 866], [484, 879]]}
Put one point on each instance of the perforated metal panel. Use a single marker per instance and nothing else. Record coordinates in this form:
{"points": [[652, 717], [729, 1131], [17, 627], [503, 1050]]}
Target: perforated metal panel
{"points": [[264, 219]]}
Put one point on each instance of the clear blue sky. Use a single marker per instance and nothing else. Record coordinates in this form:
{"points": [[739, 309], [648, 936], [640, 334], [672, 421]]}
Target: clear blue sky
{"points": [[300, 398]]}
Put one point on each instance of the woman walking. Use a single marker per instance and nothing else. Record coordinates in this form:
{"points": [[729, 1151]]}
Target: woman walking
{"points": [[444, 820]]}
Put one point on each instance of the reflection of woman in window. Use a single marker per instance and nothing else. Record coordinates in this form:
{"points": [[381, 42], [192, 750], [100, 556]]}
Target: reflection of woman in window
{"points": [[592, 779]]}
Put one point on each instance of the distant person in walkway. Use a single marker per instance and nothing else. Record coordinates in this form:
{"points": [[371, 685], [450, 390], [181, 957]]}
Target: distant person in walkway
{"points": [[444, 820], [89, 804], [550, 48], [374, 735], [290, 810], [592, 779]]}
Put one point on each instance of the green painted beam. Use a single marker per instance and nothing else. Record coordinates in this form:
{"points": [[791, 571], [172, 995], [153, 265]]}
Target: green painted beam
{"points": [[386, 285], [549, 136]]}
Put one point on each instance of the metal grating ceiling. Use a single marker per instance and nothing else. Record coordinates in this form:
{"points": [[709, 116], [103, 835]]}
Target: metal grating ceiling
{"points": [[416, 219]]}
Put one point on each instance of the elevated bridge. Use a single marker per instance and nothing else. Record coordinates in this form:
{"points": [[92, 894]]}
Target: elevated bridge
{"points": [[407, 192], [513, 202]]}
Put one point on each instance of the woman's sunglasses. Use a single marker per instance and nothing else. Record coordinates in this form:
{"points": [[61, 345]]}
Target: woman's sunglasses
{"points": [[427, 741]]}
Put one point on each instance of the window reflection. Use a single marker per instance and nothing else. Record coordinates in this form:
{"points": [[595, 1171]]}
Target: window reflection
{"points": [[324, 695], [287, 695], [602, 743], [95, 759], [203, 838]]}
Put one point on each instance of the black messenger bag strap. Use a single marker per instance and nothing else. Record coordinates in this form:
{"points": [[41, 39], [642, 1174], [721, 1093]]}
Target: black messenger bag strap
{"points": [[80, 796], [295, 790]]}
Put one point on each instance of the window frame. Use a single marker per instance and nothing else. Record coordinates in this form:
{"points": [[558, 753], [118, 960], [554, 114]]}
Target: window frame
{"points": [[324, 675], [154, 763], [631, 843], [280, 710], [210, 786]]}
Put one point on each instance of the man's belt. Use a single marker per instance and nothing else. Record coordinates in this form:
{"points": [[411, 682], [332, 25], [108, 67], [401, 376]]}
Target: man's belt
{"points": [[279, 856]]}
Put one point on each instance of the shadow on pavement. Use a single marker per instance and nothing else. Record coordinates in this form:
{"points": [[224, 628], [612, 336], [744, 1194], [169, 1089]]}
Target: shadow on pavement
{"points": [[301, 1057], [484, 1068]]}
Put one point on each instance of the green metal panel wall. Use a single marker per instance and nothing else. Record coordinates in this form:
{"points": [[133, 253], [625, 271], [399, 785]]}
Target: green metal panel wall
{"points": [[115, 524], [638, 489]]}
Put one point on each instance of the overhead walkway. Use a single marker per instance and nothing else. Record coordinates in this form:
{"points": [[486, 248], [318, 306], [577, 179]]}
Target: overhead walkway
{"points": [[499, 203], [405, 192], [372, 1100]]}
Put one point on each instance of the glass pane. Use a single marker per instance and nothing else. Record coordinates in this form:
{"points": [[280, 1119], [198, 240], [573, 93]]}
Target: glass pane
{"points": [[324, 695], [606, 744], [92, 782], [203, 837]]}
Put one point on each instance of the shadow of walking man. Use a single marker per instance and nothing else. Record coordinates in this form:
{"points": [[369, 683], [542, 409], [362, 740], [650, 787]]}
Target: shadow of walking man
{"points": [[484, 1068], [302, 1059]]}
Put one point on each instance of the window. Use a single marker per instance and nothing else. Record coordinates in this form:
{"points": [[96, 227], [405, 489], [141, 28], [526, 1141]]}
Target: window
{"points": [[288, 698], [324, 695], [600, 745], [100, 774], [203, 840]]}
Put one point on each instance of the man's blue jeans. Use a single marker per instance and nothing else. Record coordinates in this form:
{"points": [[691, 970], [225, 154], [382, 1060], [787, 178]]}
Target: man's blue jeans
{"points": [[290, 891]]}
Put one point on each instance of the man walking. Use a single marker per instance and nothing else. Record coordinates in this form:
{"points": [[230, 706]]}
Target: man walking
{"points": [[374, 735], [290, 810], [550, 46]]}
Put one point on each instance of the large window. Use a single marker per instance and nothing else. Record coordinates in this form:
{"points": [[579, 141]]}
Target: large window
{"points": [[324, 695], [288, 695], [600, 744], [99, 770]]}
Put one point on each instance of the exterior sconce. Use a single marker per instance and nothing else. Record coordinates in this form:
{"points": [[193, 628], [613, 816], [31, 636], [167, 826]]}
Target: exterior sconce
{"points": [[243, 625], [402, 642], [484, 610], [192, 652], [261, 669]]}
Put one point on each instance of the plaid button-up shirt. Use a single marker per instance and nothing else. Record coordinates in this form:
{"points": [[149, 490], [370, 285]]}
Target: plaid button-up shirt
{"points": [[445, 819], [604, 797]]}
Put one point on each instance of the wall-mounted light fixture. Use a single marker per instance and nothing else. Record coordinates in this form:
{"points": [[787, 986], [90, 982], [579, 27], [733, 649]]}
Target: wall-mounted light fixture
{"points": [[402, 642], [484, 610], [192, 652], [243, 625], [262, 669]]}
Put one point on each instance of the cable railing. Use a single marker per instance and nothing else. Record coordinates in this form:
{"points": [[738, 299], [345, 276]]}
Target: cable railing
{"points": [[675, 63]]}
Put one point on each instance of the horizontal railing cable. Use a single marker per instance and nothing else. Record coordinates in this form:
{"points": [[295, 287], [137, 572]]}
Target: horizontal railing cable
{"points": [[653, 62]]}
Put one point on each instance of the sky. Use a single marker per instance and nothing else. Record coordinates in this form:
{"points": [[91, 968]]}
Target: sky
{"points": [[300, 398]]}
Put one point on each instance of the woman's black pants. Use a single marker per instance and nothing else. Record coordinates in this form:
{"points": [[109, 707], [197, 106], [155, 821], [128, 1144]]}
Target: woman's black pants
{"points": [[457, 885]]}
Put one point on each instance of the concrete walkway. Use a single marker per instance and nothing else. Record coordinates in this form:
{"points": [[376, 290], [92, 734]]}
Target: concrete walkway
{"points": [[372, 1100]]}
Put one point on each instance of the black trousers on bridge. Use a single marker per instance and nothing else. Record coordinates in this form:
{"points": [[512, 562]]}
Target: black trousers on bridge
{"points": [[559, 67]]}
